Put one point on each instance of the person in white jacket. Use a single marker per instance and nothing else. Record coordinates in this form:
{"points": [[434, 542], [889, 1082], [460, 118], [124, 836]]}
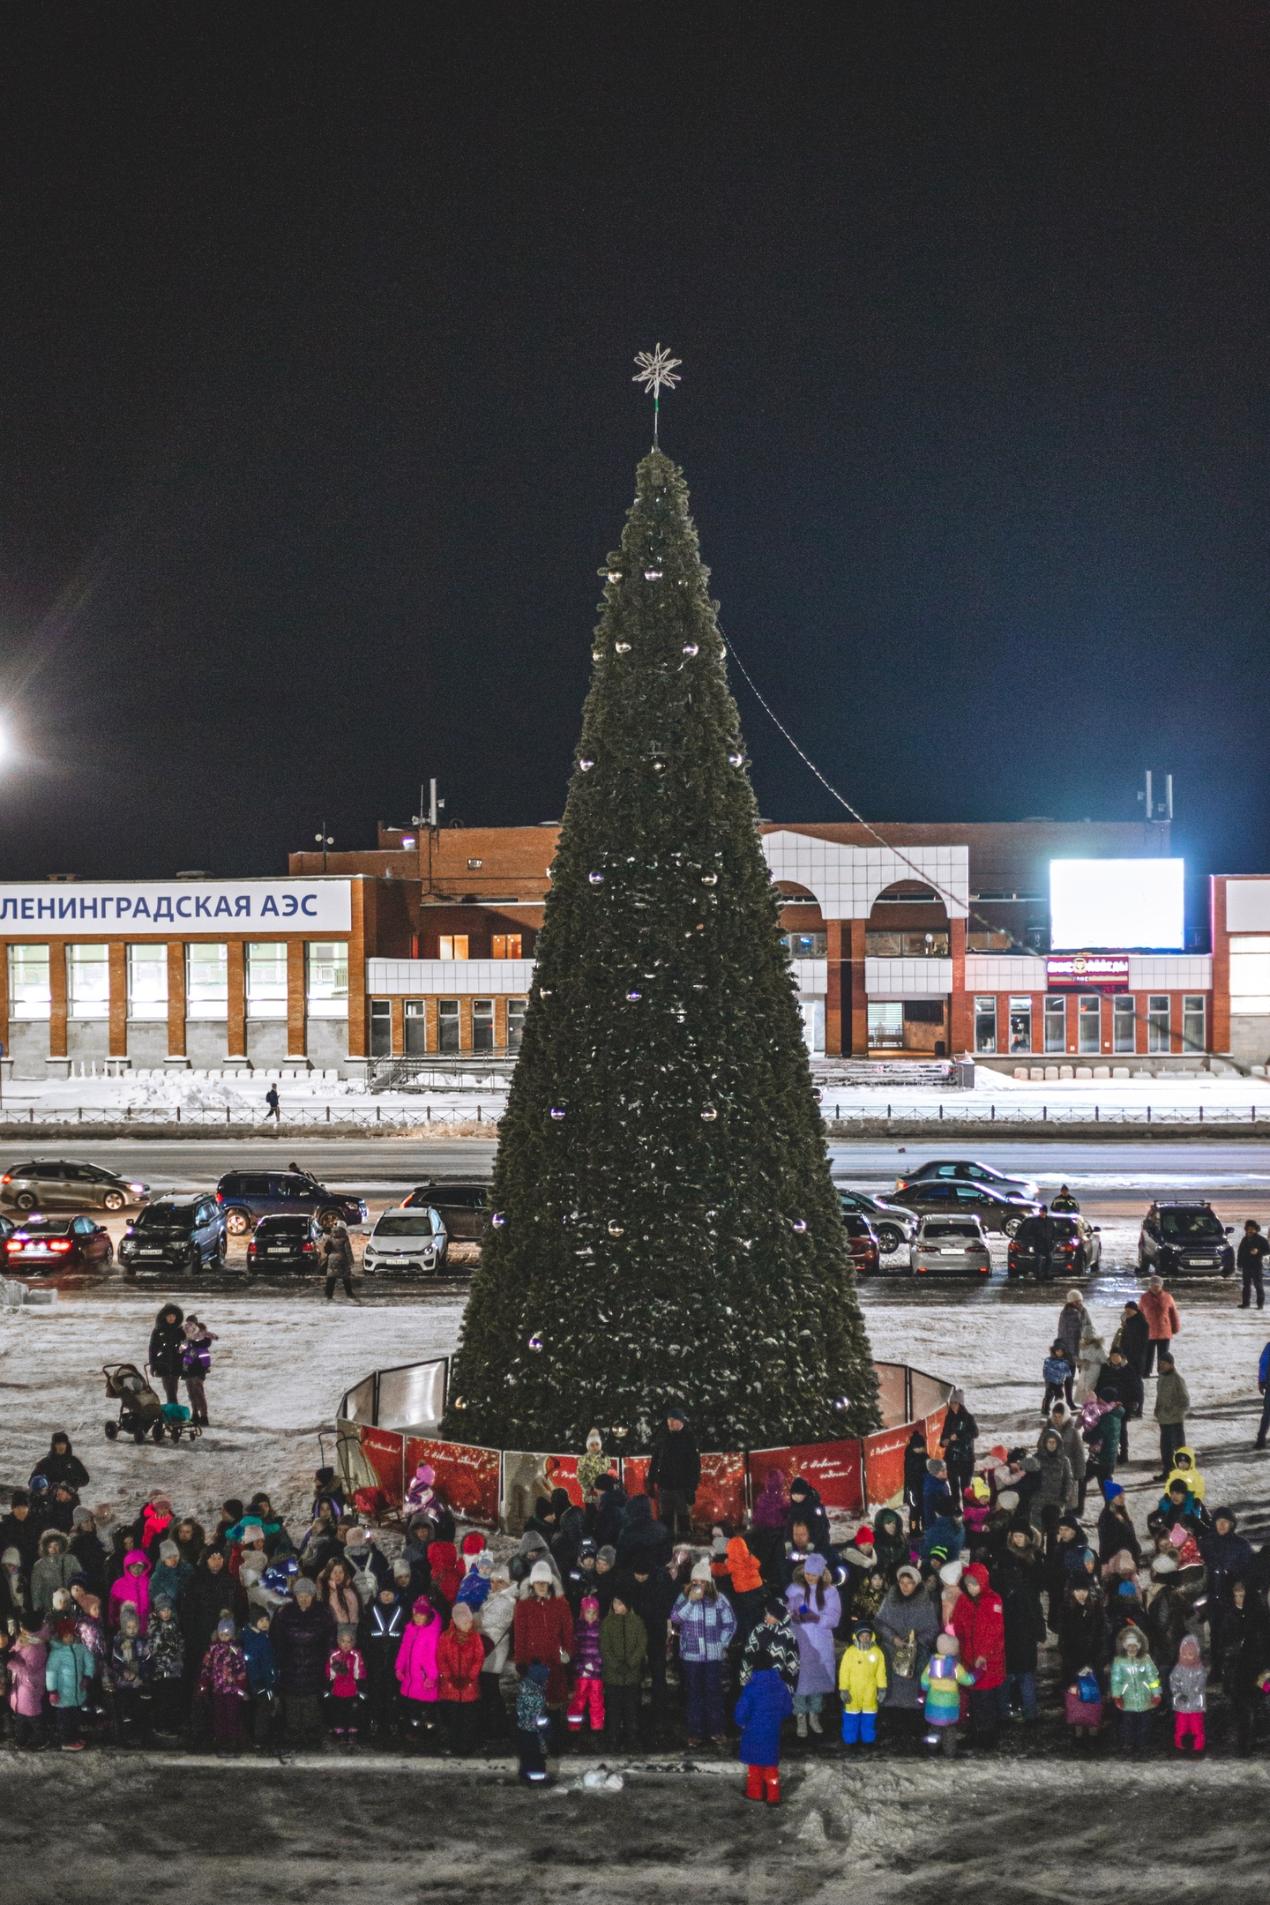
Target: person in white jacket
{"points": [[495, 1625]]}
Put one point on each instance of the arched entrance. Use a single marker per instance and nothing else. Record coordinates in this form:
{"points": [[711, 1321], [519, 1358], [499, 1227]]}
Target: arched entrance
{"points": [[908, 973]]}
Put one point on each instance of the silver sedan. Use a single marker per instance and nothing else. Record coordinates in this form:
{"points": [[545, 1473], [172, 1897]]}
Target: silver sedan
{"points": [[950, 1247]]}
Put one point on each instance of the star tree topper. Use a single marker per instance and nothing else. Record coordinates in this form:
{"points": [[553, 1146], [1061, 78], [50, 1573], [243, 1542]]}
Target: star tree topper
{"points": [[656, 371]]}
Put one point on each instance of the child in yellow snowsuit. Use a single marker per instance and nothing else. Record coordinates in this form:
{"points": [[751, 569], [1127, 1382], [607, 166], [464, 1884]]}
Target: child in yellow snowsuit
{"points": [[862, 1686]]}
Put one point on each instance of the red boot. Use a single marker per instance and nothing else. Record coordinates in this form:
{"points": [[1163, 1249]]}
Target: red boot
{"points": [[754, 1782], [772, 1780]]}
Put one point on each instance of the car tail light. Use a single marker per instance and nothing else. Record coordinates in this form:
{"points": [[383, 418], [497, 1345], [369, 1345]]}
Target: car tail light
{"points": [[309, 1249], [7, 1178], [252, 1249], [220, 1197], [59, 1244], [921, 1269], [984, 1269]]}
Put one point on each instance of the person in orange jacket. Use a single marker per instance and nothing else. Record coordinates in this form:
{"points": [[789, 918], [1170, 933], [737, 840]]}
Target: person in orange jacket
{"points": [[1163, 1321]]}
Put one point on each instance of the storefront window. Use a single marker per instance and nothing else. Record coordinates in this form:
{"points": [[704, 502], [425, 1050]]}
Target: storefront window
{"points": [[381, 1028], [986, 1024], [29, 993], [1194, 1029], [516, 1009], [416, 1028], [327, 989], [1021, 1024], [1158, 1022], [1089, 1037], [88, 982], [447, 1025], [148, 981], [1124, 1023], [806, 945], [1055, 1023], [886, 1025], [206, 982], [267, 979], [922, 943], [482, 1025]]}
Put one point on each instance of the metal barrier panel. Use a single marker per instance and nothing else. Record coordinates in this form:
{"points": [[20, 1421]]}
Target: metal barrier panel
{"points": [[892, 1393], [351, 1465], [929, 1393], [468, 1478], [359, 1404], [412, 1397]]}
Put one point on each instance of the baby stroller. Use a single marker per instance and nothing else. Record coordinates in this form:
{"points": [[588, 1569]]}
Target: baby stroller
{"points": [[141, 1414]]}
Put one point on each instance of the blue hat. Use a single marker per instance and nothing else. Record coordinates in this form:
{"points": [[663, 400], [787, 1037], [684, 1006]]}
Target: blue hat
{"points": [[538, 1674], [1111, 1490], [1128, 1589]]}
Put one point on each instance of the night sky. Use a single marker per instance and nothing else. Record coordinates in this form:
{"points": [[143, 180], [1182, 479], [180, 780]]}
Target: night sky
{"points": [[315, 348]]}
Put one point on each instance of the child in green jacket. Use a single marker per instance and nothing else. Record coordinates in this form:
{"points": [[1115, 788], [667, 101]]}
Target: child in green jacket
{"points": [[623, 1649], [943, 1678], [1135, 1690]]}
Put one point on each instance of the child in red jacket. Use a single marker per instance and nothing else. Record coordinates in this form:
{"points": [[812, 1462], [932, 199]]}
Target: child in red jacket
{"points": [[978, 1621], [460, 1658], [346, 1679]]}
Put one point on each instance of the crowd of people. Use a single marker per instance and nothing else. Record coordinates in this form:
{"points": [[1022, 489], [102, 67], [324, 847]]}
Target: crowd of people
{"points": [[1011, 1590]]}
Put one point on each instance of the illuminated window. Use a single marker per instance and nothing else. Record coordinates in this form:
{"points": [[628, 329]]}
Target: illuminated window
{"points": [[88, 982], [1021, 1023], [1194, 1029], [1158, 1022], [1250, 973], [886, 1025], [1055, 1023], [452, 946], [447, 1025], [986, 1024], [1124, 1023], [148, 981], [206, 982], [29, 993], [505, 946], [1089, 1024], [326, 992], [267, 979]]}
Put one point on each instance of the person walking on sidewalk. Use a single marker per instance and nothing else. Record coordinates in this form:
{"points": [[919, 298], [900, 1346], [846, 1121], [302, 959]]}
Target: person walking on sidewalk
{"points": [[275, 1109], [1163, 1321], [1172, 1400], [1250, 1260], [337, 1260]]}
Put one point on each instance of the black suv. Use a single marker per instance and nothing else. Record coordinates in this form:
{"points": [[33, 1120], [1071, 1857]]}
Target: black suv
{"points": [[174, 1233], [247, 1196], [1184, 1240], [463, 1204], [291, 1242]]}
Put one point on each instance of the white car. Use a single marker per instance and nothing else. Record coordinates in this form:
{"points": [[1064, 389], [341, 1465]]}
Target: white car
{"points": [[950, 1247], [406, 1243]]}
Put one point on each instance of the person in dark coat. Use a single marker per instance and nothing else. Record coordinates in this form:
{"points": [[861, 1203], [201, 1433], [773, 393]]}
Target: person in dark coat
{"points": [[958, 1440], [1245, 1657], [651, 1590], [1116, 1532], [167, 1345], [211, 1595], [61, 1464], [643, 1542], [915, 1458], [1082, 1633], [1019, 1584], [1119, 1382], [302, 1636], [89, 1552], [674, 1473], [806, 1506], [1131, 1339], [1249, 1261], [21, 1529], [610, 1507], [1228, 1558]]}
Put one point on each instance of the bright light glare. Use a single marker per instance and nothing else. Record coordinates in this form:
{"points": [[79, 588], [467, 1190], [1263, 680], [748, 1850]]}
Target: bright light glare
{"points": [[1117, 904], [6, 744]]}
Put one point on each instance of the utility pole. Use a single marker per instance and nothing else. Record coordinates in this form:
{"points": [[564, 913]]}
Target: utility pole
{"points": [[324, 840]]}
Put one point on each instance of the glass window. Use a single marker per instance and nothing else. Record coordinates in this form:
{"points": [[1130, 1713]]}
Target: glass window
{"points": [[919, 943], [806, 945], [29, 994], [482, 1025], [886, 1025], [986, 1024], [447, 1025], [1089, 1023], [267, 979], [1158, 1022], [452, 946], [88, 982], [416, 1028], [1021, 1023], [381, 1028], [1055, 1023], [327, 989], [1124, 1023], [1194, 1030], [206, 982], [148, 981], [516, 1009], [505, 946]]}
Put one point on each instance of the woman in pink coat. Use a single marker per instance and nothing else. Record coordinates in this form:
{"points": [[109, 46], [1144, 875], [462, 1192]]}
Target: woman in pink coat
{"points": [[417, 1662], [133, 1585], [27, 1659]]}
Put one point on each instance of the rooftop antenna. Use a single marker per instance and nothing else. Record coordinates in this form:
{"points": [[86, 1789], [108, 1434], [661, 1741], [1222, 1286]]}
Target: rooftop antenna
{"points": [[429, 810]]}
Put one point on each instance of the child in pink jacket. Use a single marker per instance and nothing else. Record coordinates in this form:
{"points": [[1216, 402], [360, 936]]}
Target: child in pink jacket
{"points": [[28, 1662], [417, 1664], [133, 1585], [346, 1677]]}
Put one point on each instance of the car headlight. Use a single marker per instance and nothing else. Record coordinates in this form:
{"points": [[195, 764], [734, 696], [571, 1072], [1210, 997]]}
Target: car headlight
{"points": [[127, 1246], [138, 1190]]}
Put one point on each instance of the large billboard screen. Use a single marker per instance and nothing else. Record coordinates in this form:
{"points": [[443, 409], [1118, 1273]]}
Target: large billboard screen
{"points": [[1117, 903]]}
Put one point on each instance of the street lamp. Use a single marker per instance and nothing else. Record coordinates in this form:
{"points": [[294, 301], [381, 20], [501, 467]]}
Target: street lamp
{"points": [[324, 840]]}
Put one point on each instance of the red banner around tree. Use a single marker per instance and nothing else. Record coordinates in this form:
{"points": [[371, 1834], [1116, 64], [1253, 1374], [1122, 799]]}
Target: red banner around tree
{"points": [[836, 1469], [720, 1492], [884, 1462], [467, 1477], [635, 1474], [384, 1449]]}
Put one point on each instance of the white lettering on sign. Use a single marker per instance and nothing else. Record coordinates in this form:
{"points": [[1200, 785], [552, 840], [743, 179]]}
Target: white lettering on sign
{"points": [[1101, 972], [166, 908]]}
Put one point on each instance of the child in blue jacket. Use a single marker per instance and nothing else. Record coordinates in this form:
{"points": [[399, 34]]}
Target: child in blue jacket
{"points": [[764, 1706], [68, 1678], [262, 1676]]}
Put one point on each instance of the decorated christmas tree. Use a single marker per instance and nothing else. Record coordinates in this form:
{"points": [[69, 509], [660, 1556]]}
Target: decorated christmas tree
{"points": [[663, 1223]]}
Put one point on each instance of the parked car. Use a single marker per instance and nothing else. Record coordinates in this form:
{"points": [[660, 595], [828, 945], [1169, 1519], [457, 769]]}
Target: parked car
{"points": [[407, 1243], [1184, 1240], [893, 1224], [966, 1171], [44, 1245], [950, 1247], [247, 1196], [64, 1184], [284, 1244], [1076, 1251], [862, 1242], [463, 1206], [174, 1233], [996, 1209]]}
